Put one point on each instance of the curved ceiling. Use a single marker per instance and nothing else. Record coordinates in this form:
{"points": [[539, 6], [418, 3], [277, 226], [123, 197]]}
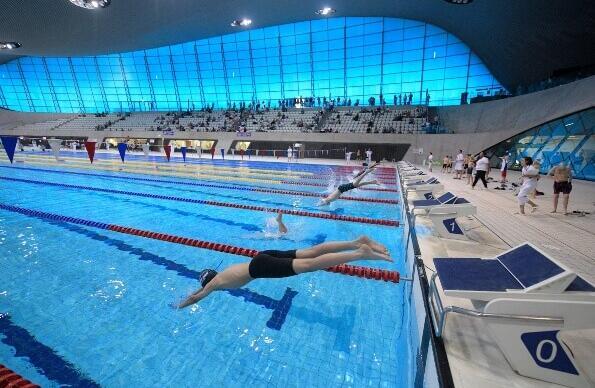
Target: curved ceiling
{"points": [[520, 41]]}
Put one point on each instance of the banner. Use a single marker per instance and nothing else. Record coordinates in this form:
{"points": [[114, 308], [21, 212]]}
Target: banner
{"points": [[122, 150], [90, 146], [55, 146], [184, 149], [212, 152], [223, 153], [146, 148], [10, 144], [242, 153], [167, 149]]}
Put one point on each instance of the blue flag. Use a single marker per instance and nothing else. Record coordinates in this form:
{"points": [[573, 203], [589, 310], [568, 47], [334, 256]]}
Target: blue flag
{"points": [[122, 149], [183, 149], [10, 144]]}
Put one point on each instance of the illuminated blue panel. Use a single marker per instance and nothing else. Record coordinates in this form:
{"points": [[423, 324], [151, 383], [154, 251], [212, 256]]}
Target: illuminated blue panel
{"points": [[336, 58]]}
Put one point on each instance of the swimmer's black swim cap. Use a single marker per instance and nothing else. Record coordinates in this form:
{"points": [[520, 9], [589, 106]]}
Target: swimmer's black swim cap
{"points": [[206, 276]]}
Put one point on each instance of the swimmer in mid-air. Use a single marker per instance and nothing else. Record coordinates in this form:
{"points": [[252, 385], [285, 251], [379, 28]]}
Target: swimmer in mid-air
{"points": [[281, 264], [357, 182]]}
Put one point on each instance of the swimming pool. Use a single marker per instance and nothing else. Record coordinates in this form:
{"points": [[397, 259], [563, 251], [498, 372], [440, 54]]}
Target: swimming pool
{"points": [[86, 306]]}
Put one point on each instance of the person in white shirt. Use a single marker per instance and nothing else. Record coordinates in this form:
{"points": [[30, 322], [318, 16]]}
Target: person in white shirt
{"points": [[482, 166], [289, 154], [503, 168], [369, 156], [348, 156], [529, 176], [459, 161], [430, 161]]}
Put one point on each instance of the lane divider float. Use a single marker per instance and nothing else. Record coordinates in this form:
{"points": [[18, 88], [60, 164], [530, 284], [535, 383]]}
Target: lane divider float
{"points": [[8, 378], [344, 269], [218, 186], [328, 216]]}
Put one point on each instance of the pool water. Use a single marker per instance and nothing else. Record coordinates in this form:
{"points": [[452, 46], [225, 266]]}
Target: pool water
{"points": [[83, 306]]}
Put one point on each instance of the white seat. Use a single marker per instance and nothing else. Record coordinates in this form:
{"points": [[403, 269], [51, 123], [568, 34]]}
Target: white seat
{"points": [[531, 299]]}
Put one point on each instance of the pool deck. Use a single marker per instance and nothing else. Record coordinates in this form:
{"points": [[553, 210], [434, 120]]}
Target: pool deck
{"points": [[475, 359]]}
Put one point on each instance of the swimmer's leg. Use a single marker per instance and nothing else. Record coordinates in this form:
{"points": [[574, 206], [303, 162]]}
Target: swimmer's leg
{"points": [[282, 227], [357, 180], [339, 246], [332, 259], [374, 182]]}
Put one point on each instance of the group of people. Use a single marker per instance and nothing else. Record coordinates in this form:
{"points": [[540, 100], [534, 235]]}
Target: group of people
{"points": [[270, 264], [476, 168]]}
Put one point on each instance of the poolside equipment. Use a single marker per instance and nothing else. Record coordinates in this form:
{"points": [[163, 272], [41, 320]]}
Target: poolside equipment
{"points": [[431, 185], [344, 269], [527, 299]]}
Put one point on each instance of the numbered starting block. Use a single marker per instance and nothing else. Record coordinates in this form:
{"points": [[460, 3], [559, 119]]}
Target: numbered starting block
{"points": [[444, 218], [528, 301]]}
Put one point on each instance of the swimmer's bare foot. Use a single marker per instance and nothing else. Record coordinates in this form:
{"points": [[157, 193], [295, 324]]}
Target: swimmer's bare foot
{"points": [[553, 211], [372, 244], [368, 253], [533, 209]]}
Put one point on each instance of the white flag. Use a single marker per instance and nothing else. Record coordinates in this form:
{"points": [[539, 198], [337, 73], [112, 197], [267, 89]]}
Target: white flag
{"points": [[55, 145]]}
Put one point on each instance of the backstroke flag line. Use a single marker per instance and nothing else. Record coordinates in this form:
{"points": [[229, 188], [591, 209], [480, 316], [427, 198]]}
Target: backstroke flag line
{"points": [[10, 144]]}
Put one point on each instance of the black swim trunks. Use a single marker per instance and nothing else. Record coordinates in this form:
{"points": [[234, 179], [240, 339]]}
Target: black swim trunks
{"points": [[272, 264], [346, 187], [562, 187]]}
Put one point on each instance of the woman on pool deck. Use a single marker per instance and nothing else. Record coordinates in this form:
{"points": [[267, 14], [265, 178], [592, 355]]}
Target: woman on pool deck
{"points": [[357, 182], [281, 264]]}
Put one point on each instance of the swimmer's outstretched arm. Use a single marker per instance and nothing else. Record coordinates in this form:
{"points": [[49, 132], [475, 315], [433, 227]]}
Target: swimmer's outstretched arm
{"points": [[198, 295]]}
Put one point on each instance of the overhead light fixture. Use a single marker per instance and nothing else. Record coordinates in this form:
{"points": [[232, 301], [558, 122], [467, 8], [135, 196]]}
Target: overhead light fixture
{"points": [[241, 23], [461, 2], [9, 45], [91, 4], [325, 11]]}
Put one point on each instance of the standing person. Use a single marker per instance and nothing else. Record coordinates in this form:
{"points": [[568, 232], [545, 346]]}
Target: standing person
{"points": [[503, 168], [369, 156], [289, 154], [529, 177], [482, 167], [562, 174], [212, 152], [348, 156], [445, 164], [459, 165], [430, 161], [466, 164], [470, 168], [358, 156], [410, 97]]}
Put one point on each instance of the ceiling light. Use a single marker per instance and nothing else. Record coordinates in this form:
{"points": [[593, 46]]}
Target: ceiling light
{"points": [[91, 4], [325, 11], [241, 23], [459, 1], [9, 45]]}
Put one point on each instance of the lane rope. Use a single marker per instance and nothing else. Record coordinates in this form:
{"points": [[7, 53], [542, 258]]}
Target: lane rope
{"points": [[365, 220], [344, 269], [218, 186], [9, 378]]}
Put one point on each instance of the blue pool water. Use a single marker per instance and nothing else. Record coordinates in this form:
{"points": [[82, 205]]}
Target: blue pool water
{"points": [[89, 307]]}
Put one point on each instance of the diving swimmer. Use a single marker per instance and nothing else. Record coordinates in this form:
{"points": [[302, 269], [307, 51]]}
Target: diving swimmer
{"points": [[357, 182], [280, 264]]}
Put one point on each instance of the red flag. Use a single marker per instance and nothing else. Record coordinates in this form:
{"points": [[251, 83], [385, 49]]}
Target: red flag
{"points": [[90, 146], [167, 149]]}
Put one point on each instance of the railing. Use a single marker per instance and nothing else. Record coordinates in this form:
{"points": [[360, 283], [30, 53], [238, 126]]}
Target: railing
{"points": [[432, 360]]}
